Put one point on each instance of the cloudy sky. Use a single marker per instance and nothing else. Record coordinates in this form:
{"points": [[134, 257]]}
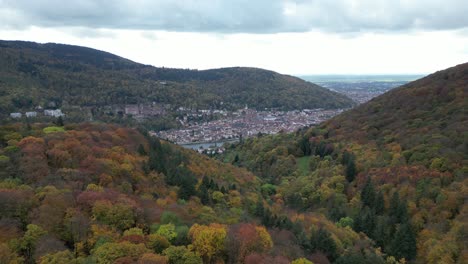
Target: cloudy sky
{"points": [[289, 36]]}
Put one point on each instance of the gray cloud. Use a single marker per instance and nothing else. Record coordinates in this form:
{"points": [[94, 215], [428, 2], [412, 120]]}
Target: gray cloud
{"points": [[238, 16]]}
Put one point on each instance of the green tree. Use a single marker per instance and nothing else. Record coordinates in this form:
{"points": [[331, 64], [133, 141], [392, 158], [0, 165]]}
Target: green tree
{"points": [[259, 209], [404, 242], [365, 221], [158, 243], [368, 194], [398, 210], [351, 170], [322, 241], [167, 231], [181, 255], [382, 231], [379, 204], [141, 150], [204, 194], [345, 221], [59, 121], [119, 215], [156, 156], [30, 238]]}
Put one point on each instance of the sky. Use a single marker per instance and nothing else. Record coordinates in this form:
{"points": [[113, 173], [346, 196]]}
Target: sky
{"points": [[298, 37]]}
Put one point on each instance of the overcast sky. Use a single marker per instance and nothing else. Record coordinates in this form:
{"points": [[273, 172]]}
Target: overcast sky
{"points": [[294, 37]]}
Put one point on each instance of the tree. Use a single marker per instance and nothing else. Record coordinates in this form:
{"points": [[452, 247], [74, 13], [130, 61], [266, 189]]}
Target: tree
{"points": [[305, 146], [156, 156], [322, 241], [7, 255], [59, 121], [109, 252], [259, 209], [167, 231], [119, 215], [244, 239], [150, 258], [33, 161], [398, 211], [236, 159], [208, 241], [368, 194], [351, 170], [404, 242], [379, 204], [141, 150], [365, 221], [158, 243], [203, 194], [345, 221], [181, 255], [381, 234], [59, 257], [29, 241], [302, 261]]}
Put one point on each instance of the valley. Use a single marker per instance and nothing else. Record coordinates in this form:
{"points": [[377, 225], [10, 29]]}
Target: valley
{"points": [[307, 174]]}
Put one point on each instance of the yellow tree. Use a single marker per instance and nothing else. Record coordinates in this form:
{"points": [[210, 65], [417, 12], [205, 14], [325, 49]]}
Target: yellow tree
{"points": [[208, 241]]}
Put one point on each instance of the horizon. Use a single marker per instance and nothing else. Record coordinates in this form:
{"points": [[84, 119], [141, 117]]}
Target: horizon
{"points": [[290, 37], [234, 66], [296, 75]]}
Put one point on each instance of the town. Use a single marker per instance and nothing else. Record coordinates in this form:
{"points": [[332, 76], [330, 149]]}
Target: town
{"points": [[245, 123]]}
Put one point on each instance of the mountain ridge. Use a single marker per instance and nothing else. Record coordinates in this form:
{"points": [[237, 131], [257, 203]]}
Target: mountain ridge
{"points": [[80, 76]]}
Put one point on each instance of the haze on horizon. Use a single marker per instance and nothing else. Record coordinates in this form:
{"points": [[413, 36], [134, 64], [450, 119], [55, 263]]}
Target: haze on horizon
{"points": [[294, 37]]}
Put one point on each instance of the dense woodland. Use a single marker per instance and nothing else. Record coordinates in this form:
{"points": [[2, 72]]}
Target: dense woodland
{"points": [[82, 80], [382, 183], [95, 193], [394, 169]]}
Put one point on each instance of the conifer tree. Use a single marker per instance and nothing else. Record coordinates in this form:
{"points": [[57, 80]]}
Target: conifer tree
{"points": [[404, 242], [141, 150], [322, 241], [203, 194], [351, 170], [379, 204], [259, 209], [368, 194]]}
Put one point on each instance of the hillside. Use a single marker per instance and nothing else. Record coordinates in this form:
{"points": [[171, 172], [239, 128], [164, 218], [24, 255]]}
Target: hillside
{"points": [[428, 118], [94, 193], [67, 76], [394, 168]]}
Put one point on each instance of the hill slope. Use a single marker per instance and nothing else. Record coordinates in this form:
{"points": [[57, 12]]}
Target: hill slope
{"points": [[32, 74], [394, 168], [431, 111], [114, 195]]}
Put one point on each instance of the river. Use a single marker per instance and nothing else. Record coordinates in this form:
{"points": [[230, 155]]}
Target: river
{"points": [[206, 145]]}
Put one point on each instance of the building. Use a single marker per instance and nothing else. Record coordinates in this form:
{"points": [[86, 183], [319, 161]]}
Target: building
{"points": [[15, 115], [54, 113], [31, 114], [132, 110]]}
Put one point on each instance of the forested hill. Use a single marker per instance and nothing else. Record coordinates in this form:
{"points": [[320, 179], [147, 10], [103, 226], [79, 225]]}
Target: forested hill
{"points": [[431, 110], [34, 74], [99, 193], [394, 168]]}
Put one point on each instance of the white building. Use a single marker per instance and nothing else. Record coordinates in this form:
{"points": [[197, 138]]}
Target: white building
{"points": [[15, 115], [54, 113], [31, 114]]}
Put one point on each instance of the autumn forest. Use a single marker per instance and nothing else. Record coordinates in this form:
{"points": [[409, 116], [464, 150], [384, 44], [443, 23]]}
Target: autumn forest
{"points": [[385, 182]]}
